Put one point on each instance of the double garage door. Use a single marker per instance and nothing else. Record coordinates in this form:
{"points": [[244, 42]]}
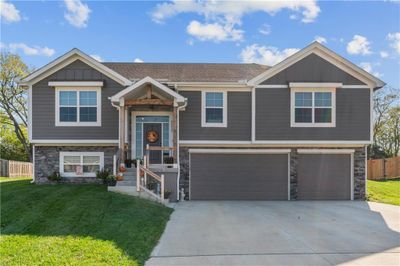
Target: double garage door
{"points": [[265, 176]]}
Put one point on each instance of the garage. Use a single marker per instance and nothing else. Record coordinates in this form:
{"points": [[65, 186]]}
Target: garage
{"points": [[325, 174], [239, 174]]}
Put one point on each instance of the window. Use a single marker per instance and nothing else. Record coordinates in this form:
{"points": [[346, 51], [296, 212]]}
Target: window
{"points": [[313, 107], [214, 110], [78, 107], [73, 164]]}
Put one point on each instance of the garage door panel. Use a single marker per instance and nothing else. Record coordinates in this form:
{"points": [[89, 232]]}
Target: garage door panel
{"points": [[324, 177], [238, 176]]}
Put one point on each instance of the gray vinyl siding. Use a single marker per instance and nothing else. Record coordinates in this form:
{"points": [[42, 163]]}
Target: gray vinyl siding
{"points": [[239, 176], [324, 177], [239, 119], [313, 69], [43, 101], [273, 117]]}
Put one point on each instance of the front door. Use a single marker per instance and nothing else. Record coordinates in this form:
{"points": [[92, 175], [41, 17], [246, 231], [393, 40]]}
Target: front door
{"points": [[152, 135]]}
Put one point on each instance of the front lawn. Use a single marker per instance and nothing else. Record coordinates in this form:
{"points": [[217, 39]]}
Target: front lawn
{"points": [[385, 191], [71, 224]]}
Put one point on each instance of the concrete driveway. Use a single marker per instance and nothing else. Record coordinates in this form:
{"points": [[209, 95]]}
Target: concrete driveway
{"points": [[280, 233]]}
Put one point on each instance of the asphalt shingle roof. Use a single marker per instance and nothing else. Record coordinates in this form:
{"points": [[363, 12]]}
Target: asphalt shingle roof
{"points": [[188, 72]]}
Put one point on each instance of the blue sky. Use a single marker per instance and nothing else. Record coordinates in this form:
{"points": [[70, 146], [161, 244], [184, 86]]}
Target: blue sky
{"points": [[366, 33]]}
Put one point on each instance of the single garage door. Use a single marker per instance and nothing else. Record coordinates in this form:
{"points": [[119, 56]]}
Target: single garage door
{"points": [[238, 176], [324, 177]]}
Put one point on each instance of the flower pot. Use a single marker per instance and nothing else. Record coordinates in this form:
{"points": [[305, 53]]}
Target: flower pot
{"points": [[122, 168], [119, 177]]}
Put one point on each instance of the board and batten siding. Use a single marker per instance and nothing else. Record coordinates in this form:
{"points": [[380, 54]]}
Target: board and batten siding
{"points": [[273, 117], [312, 68], [239, 118], [43, 102]]}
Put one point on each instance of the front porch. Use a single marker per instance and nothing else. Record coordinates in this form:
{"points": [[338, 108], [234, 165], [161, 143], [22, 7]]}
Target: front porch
{"points": [[148, 126]]}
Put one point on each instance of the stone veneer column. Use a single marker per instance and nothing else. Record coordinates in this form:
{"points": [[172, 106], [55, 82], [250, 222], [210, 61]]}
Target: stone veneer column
{"points": [[359, 174], [294, 156]]}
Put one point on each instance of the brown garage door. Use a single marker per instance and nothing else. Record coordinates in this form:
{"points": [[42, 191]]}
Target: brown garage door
{"points": [[324, 177], [238, 176]]}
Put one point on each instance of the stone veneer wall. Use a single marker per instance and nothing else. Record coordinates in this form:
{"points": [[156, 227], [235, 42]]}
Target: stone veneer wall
{"points": [[359, 171], [47, 160]]}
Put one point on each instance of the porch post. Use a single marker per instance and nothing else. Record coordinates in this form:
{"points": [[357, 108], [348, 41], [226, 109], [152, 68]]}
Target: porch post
{"points": [[122, 131], [174, 132]]}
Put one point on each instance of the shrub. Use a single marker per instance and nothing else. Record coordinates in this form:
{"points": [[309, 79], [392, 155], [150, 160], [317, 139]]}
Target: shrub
{"points": [[169, 160], [110, 180], [103, 174], [55, 176]]}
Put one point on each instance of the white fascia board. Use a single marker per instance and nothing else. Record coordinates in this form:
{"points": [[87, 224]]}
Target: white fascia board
{"points": [[315, 85], [240, 151], [213, 142], [76, 83], [328, 55], [68, 58], [325, 151], [178, 97], [322, 142], [75, 141]]}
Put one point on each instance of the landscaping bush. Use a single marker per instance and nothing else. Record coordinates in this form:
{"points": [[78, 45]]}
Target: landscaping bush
{"points": [[55, 176], [106, 177]]}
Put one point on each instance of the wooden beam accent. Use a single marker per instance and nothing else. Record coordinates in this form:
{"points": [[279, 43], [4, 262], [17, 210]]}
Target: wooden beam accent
{"points": [[174, 132], [122, 133], [148, 102], [148, 91], [158, 148]]}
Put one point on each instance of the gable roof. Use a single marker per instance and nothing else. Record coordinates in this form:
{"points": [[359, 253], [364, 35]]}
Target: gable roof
{"points": [[188, 72], [68, 58], [326, 54], [147, 80]]}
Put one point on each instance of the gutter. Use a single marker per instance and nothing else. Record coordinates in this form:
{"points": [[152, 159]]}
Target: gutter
{"points": [[177, 145]]}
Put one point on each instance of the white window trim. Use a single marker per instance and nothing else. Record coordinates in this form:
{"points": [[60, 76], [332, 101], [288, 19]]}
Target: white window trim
{"points": [[62, 154], [75, 124], [312, 124], [224, 109]]}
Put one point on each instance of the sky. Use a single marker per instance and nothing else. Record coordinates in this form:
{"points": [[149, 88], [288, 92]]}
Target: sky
{"points": [[366, 33]]}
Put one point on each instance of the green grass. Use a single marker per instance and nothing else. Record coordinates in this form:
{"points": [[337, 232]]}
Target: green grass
{"points": [[71, 225], [385, 191]]}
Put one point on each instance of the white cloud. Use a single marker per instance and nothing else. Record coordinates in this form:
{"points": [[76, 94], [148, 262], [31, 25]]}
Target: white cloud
{"points": [[265, 55], [359, 45], [394, 39], [138, 60], [97, 57], [214, 32], [9, 12], [28, 50], [320, 39], [228, 14], [384, 54], [77, 13], [265, 29], [368, 67]]}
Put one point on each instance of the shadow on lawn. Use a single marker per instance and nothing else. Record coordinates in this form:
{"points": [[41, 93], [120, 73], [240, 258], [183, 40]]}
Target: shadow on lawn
{"points": [[134, 225]]}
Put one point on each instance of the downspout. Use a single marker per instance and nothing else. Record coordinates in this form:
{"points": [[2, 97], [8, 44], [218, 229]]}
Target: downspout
{"points": [[177, 145]]}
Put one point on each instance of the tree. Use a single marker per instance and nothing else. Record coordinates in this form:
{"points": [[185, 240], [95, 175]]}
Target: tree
{"points": [[13, 98], [386, 128], [10, 146]]}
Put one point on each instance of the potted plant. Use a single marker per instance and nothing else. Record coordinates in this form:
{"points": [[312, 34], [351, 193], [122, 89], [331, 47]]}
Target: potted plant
{"points": [[119, 177], [135, 162], [128, 163], [55, 176], [167, 194], [169, 160], [122, 168]]}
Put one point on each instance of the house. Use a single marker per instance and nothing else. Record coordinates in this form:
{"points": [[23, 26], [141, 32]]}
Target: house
{"points": [[297, 130]]}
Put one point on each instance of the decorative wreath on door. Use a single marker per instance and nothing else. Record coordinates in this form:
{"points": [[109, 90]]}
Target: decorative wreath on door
{"points": [[152, 136]]}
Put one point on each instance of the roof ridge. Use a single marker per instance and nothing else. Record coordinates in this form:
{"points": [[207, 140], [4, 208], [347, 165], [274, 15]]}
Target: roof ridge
{"points": [[182, 63]]}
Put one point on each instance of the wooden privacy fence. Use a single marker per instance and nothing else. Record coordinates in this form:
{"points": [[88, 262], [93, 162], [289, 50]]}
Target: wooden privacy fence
{"points": [[384, 168], [15, 168]]}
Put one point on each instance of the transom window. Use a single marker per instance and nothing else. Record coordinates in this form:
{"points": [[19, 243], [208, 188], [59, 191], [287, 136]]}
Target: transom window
{"points": [[74, 164], [214, 111], [313, 107], [78, 107]]}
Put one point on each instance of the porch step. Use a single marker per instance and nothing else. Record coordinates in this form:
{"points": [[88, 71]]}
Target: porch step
{"points": [[131, 191]]}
